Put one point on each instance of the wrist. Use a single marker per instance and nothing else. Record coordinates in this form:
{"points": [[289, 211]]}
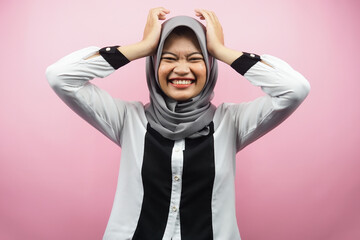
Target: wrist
{"points": [[147, 47], [135, 51], [217, 51], [225, 54]]}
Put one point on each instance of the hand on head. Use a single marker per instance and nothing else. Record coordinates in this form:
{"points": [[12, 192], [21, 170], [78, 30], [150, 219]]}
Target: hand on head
{"points": [[214, 32], [153, 28]]}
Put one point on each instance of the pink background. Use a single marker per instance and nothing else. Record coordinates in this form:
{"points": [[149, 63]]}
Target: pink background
{"points": [[58, 174]]}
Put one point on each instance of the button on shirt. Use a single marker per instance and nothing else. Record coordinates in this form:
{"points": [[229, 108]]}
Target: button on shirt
{"points": [[172, 229]]}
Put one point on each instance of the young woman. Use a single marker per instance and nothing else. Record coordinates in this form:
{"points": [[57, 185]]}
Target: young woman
{"points": [[177, 170]]}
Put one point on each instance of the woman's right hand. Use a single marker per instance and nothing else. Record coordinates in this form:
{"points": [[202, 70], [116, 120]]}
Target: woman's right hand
{"points": [[152, 29]]}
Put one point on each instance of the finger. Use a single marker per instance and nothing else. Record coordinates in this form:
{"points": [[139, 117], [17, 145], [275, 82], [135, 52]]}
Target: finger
{"points": [[215, 17], [162, 14], [207, 17], [160, 9], [198, 13], [211, 15], [167, 11], [211, 19]]}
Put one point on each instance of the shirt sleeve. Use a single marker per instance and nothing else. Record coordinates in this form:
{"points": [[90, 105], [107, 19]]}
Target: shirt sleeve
{"points": [[70, 79], [285, 90]]}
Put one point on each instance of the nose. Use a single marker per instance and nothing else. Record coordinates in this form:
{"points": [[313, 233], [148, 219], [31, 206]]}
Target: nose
{"points": [[181, 69]]}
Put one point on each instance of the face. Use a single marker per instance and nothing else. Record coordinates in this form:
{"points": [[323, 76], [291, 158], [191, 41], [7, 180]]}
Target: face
{"points": [[182, 70]]}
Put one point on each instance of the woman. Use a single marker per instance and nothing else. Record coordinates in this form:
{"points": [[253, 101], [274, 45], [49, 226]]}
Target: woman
{"points": [[177, 170]]}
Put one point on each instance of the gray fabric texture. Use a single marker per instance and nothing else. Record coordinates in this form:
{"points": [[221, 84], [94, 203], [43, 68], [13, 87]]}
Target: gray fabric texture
{"points": [[177, 120]]}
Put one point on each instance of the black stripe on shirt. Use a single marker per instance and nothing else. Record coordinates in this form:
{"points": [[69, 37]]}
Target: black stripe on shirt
{"points": [[157, 180], [245, 62], [113, 56], [197, 187]]}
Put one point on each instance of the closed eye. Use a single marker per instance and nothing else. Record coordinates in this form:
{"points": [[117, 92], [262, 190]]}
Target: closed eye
{"points": [[195, 59], [168, 58]]}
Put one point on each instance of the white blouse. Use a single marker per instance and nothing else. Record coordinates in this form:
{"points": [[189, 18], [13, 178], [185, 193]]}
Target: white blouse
{"points": [[176, 189]]}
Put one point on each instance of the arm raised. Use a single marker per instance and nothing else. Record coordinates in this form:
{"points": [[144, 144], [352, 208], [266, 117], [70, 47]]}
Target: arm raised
{"points": [[151, 37]]}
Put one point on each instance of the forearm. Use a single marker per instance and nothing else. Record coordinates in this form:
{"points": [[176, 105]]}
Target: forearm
{"points": [[135, 51], [148, 45], [132, 51], [228, 55]]}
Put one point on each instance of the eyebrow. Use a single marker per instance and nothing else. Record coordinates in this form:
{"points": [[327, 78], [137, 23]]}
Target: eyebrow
{"points": [[193, 53]]}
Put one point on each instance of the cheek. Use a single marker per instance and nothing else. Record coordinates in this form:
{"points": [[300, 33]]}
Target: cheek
{"points": [[164, 71], [161, 71], [200, 70]]}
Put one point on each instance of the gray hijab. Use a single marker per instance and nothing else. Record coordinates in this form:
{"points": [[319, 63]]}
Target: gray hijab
{"points": [[177, 120]]}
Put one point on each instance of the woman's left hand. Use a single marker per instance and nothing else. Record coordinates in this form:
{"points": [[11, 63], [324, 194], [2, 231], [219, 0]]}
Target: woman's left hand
{"points": [[215, 38], [214, 32]]}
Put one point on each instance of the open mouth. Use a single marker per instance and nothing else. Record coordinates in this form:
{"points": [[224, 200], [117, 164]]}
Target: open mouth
{"points": [[181, 83]]}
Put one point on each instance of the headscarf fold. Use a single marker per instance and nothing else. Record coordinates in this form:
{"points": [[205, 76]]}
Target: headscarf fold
{"points": [[177, 120]]}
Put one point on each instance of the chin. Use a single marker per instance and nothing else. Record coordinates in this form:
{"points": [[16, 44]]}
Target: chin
{"points": [[181, 98], [184, 99]]}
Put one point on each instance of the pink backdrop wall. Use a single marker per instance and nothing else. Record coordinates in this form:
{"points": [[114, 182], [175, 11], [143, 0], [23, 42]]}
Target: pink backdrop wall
{"points": [[301, 181]]}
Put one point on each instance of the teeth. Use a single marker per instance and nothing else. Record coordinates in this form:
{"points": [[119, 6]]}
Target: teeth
{"points": [[181, 82]]}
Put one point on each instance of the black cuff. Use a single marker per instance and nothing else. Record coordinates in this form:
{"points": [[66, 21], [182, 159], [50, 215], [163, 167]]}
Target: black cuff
{"points": [[245, 62], [113, 56]]}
